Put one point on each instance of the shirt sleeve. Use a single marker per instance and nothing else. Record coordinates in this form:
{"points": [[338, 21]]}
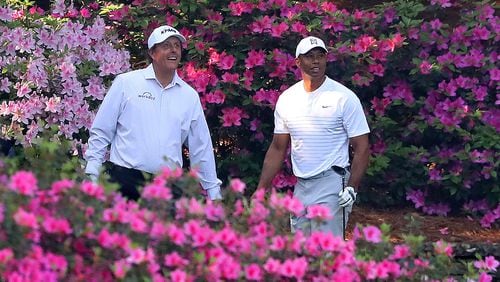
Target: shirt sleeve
{"points": [[201, 153], [279, 123], [103, 128], [354, 117]]}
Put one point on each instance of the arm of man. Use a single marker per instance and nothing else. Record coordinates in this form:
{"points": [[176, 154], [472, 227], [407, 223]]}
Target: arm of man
{"points": [[360, 160], [273, 159], [103, 129], [202, 156]]}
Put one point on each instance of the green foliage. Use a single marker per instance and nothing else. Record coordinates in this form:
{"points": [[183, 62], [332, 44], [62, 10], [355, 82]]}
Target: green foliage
{"points": [[48, 159]]}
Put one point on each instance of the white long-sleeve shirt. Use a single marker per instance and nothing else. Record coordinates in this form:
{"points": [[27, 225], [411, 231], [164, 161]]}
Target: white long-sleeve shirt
{"points": [[147, 125]]}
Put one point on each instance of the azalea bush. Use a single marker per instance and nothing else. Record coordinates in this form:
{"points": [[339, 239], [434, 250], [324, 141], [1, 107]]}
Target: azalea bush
{"points": [[425, 71], [56, 66], [83, 231]]}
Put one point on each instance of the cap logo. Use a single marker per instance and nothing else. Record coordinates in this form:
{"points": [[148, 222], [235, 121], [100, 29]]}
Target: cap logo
{"points": [[168, 30], [313, 41]]}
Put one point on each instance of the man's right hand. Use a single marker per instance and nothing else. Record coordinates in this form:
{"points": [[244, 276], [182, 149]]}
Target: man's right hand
{"points": [[93, 177]]}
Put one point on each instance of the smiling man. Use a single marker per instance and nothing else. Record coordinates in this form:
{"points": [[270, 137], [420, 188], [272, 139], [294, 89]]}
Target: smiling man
{"points": [[146, 117], [320, 118]]}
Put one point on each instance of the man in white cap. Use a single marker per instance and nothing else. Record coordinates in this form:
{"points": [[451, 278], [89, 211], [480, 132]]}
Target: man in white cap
{"points": [[146, 117], [320, 118]]}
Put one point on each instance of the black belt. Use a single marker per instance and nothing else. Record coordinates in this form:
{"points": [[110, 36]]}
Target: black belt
{"points": [[337, 169], [341, 170], [114, 168]]}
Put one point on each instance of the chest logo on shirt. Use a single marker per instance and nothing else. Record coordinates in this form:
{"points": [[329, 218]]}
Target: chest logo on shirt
{"points": [[147, 95]]}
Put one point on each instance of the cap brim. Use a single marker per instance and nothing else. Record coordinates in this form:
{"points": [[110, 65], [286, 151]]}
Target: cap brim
{"points": [[315, 47]]}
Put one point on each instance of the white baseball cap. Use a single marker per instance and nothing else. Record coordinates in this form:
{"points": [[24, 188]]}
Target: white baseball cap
{"points": [[162, 33], [305, 45]]}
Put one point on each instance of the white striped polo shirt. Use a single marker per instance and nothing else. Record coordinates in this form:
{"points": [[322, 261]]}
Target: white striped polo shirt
{"points": [[319, 124]]}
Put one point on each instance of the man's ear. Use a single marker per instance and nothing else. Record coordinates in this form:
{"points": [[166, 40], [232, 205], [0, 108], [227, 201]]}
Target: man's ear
{"points": [[297, 62]]}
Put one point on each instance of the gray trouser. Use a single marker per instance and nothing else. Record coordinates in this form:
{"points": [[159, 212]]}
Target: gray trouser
{"points": [[322, 189]]}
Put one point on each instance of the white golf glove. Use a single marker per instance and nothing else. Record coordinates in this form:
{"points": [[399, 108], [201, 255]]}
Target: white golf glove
{"points": [[347, 197]]}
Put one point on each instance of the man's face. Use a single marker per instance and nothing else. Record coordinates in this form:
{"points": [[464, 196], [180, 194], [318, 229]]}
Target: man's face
{"points": [[313, 63], [167, 54]]}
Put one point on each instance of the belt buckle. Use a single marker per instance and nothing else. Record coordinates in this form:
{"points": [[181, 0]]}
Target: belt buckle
{"points": [[339, 170]]}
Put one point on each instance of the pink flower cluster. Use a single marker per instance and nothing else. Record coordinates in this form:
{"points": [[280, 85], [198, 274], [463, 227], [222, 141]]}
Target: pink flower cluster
{"points": [[189, 239]]}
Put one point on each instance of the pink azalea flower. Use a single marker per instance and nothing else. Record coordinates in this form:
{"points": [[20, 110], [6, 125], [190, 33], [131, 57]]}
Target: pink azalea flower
{"points": [[158, 230], [444, 231], [176, 234], [490, 217], [214, 212], [232, 116], [494, 74], [55, 225], [227, 237], [425, 67], [253, 272], [262, 24], [179, 276], [191, 206], [361, 80], [272, 266], [120, 268], [379, 105], [344, 274], [173, 259], [489, 264], [363, 43], [372, 234], [93, 190], [226, 61], [401, 252], [255, 58], [237, 185], [153, 191], [376, 69], [277, 30], [138, 225], [5, 85], [23, 182], [231, 78], [278, 243], [294, 268], [85, 13], [320, 212], [26, 219], [6, 255], [441, 247], [437, 209], [238, 8], [112, 240], [299, 27], [442, 3], [119, 14], [390, 15], [216, 97], [136, 256], [481, 33], [266, 96], [485, 277]]}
